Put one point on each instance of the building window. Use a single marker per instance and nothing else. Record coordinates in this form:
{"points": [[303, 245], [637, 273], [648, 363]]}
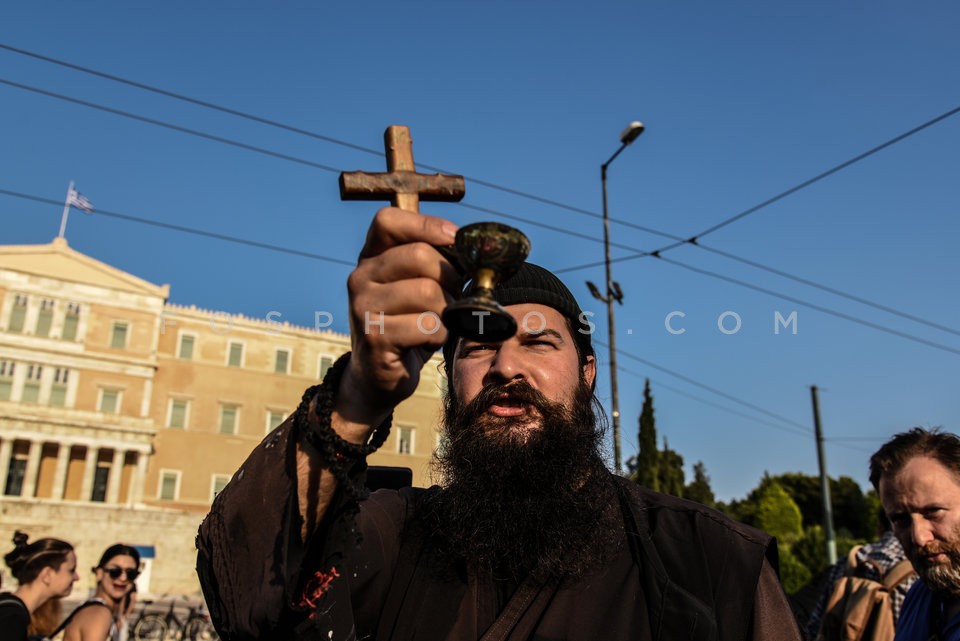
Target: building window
{"points": [[71, 321], [218, 482], [44, 318], [6, 380], [326, 362], [274, 419], [185, 350], [118, 339], [405, 440], [18, 314], [228, 418], [31, 386], [109, 400], [235, 354], [16, 472], [169, 485], [101, 477], [177, 415], [281, 364], [58, 390]]}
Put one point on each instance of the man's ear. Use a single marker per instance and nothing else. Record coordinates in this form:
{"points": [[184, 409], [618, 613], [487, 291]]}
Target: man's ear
{"points": [[590, 371]]}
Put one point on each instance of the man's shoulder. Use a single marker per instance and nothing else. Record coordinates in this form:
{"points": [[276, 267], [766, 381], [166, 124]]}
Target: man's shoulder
{"points": [[677, 514], [914, 621]]}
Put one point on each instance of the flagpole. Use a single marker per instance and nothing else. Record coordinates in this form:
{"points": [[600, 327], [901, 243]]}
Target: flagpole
{"points": [[66, 211]]}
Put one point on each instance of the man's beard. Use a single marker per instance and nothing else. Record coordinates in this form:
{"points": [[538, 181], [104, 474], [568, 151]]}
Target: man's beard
{"points": [[518, 498], [942, 578]]}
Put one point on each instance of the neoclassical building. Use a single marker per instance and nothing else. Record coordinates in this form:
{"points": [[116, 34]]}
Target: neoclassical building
{"points": [[122, 415]]}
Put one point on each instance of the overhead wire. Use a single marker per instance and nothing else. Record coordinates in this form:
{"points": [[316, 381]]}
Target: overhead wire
{"points": [[168, 125], [693, 240], [795, 427], [324, 167], [312, 134], [656, 253], [819, 308], [679, 240], [265, 151], [190, 230], [831, 290], [710, 403], [347, 263]]}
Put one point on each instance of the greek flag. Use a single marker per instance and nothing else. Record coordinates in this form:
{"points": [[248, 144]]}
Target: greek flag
{"points": [[79, 201]]}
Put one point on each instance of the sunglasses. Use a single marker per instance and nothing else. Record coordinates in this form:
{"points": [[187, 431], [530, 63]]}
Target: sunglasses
{"points": [[114, 573]]}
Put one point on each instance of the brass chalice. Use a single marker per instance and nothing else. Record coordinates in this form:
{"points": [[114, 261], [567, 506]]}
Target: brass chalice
{"points": [[489, 253]]}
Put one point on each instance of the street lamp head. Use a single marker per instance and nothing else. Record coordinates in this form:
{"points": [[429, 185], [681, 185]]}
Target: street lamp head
{"points": [[632, 132]]}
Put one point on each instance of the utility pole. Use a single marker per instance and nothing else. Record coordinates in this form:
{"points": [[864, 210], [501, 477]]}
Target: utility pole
{"points": [[830, 537]]}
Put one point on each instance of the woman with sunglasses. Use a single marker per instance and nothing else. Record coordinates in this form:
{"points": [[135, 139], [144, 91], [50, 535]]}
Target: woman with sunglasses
{"points": [[45, 571], [100, 618]]}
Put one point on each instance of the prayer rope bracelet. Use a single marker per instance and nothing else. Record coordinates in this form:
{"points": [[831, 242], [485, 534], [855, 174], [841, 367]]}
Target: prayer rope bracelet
{"points": [[337, 454]]}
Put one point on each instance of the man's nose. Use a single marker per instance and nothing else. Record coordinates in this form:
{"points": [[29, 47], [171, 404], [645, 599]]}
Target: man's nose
{"points": [[921, 531], [508, 362]]}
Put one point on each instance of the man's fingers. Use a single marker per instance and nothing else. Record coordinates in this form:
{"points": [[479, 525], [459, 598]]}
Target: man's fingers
{"points": [[392, 227], [409, 261], [420, 294], [421, 329]]}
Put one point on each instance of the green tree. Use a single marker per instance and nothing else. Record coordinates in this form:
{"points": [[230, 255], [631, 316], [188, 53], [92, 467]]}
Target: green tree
{"points": [[877, 516], [804, 489], [699, 489], [811, 548], [793, 574], [670, 471], [778, 514], [648, 456], [852, 512]]}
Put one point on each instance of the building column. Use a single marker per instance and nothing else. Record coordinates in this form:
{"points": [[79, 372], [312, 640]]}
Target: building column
{"points": [[116, 471], [6, 451], [139, 478], [60, 472], [32, 471], [89, 468]]}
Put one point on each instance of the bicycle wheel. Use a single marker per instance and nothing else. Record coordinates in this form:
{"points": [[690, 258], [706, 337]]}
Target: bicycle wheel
{"points": [[150, 627], [199, 628]]}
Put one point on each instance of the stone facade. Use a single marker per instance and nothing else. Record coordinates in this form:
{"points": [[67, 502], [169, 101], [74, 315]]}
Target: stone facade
{"points": [[122, 415]]}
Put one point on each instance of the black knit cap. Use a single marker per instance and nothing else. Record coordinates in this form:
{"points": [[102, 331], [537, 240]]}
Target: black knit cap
{"points": [[534, 284]]}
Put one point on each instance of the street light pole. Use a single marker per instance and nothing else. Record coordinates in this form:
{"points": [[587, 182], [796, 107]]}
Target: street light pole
{"points": [[613, 291]]}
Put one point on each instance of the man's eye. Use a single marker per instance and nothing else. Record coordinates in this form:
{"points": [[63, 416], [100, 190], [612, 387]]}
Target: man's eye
{"points": [[540, 342], [479, 347]]}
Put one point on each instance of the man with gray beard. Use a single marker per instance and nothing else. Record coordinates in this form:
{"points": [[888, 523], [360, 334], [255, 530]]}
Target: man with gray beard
{"points": [[917, 475], [528, 535]]}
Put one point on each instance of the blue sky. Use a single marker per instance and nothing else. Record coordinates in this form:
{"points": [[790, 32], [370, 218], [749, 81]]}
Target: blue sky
{"points": [[742, 101]]}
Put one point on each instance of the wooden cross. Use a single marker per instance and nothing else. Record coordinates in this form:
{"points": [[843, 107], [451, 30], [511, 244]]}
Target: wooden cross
{"points": [[401, 184]]}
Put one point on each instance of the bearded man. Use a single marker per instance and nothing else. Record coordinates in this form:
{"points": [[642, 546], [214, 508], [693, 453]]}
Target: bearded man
{"points": [[529, 536], [917, 475]]}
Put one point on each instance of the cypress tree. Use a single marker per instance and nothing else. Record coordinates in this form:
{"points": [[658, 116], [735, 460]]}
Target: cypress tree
{"points": [[648, 457]]}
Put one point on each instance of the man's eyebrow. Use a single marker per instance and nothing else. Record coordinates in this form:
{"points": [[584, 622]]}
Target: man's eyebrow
{"points": [[542, 332]]}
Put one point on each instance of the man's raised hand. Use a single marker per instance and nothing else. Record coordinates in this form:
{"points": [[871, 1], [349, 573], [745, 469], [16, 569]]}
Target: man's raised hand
{"points": [[397, 292]]}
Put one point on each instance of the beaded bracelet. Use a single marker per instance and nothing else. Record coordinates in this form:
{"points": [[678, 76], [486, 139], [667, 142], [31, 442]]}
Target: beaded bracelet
{"points": [[337, 453]]}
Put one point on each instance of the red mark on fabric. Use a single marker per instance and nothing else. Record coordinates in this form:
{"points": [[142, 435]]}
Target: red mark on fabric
{"points": [[316, 587]]}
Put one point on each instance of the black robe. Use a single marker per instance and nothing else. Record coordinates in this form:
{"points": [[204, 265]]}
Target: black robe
{"points": [[681, 571]]}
